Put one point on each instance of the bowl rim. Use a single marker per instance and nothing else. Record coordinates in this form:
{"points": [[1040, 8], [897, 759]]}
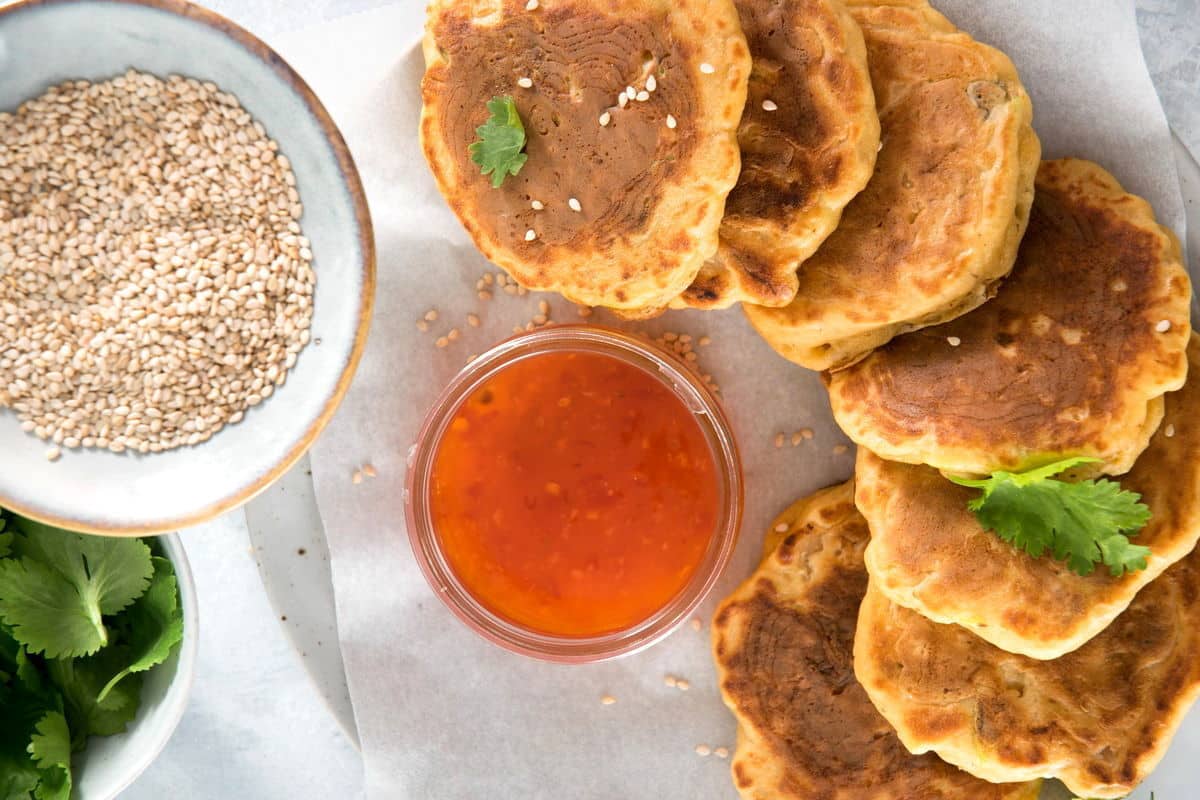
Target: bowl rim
{"points": [[185, 672], [366, 235]]}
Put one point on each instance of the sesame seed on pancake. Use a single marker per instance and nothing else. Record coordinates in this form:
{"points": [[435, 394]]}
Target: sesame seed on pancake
{"points": [[938, 224], [1071, 358], [1098, 719], [621, 214], [783, 646], [808, 137], [930, 554]]}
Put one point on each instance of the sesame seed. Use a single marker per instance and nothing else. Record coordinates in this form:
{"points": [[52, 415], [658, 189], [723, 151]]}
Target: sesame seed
{"points": [[840, 449], [779, 440], [608, 700], [489, 278], [537, 205], [642, 96], [574, 205], [682, 685], [522, 291], [1169, 431], [797, 438], [707, 69], [511, 289], [622, 100], [442, 341], [705, 341], [585, 311], [356, 477], [769, 105], [669, 680], [540, 319], [453, 335], [543, 307], [697, 624], [485, 295], [431, 315], [53, 454], [685, 338], [1163, 325], [531, 5], [530, 235], [605, 118], [651, 83], [630, 92], [422, 325], [670, 337], [807, 433], [954, 341], [525, 83], [473, 320], [721, 752], [369, 471], [671, 123], [703, 750]]}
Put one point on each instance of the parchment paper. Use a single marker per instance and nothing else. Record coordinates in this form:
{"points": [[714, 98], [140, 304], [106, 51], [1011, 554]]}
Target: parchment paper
{"points": [[441, 713]]}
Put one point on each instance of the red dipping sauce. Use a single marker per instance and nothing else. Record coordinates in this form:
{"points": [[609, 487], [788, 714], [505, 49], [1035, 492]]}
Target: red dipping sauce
{"points": [[574, 493]]}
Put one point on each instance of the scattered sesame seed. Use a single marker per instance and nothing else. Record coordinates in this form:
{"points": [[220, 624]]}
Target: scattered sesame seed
{"points": [[489, 278], [521, 291], [473, 320], [517, 329], [669, 680], [954, 341], [530, 235], [840, 449], [721, 752], [651, 83], [485, 295], [422, 325], [453, 335], [369, 471], [504, 280], [536, 205], [442, 341], [543, 307], [605, 118], [511, 288], [671, 123], [540, 319], [431, 315], [531, 5], [525, 83], [630, 92], [682, 685], [585, 311], [797, 438], [781, 527], [707, 69], [779, 440], [685, 338], [622, 100], [356, 477], [703, 750], [769, 105], [689, 356], [642, 96], [704, 341], [807, 433], [53, 454], [696, 624], [529, 326], [607, 700], [670, 337], [575, 205], [1163, 325], [1169, 431]]}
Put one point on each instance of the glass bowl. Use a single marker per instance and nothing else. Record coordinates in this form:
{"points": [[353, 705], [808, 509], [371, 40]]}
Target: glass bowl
{"points": [[684, 384]]}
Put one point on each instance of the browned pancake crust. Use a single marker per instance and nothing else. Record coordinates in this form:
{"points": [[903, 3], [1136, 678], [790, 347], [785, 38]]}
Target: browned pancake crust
{"points": [[929, 553], [1066, 360], [939, 221], [650, 196], [802, 162], [783, 646], [1099, 719]]}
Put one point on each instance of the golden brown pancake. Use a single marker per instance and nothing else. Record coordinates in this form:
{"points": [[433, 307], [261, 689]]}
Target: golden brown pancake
{"points": [[783, 646], [650, 185], [939, 222], [1071, 358], [803, 159], [930, 554], [1098, 719]]}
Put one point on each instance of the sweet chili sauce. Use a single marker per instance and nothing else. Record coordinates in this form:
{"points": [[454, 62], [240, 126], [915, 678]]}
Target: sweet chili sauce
{"points": [[574, 494]]}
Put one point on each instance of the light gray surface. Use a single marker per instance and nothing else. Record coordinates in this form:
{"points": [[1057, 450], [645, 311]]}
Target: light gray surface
{"points": [[255, 729]]}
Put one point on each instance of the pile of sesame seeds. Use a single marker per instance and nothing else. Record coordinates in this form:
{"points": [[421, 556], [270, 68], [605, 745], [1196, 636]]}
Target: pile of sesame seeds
{"points": [[154, 280]]}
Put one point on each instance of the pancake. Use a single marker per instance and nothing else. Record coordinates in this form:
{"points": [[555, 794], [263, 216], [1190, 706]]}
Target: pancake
{"points": [[803, 160], [930, 554], [938, 224], [783, 641], [1098, 719], [1069, 359], [650, 185]]}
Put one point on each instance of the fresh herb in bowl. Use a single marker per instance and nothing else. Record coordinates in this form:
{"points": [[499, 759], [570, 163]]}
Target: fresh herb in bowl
{"points": [[81, 620]]}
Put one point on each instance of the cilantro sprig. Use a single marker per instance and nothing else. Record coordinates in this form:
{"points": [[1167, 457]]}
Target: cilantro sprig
{"points": [[81, 618], [1083, 523], [500, 149]]}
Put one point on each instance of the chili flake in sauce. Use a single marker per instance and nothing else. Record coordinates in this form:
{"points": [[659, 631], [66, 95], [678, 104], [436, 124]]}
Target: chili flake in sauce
{"points": [[574, 494]]}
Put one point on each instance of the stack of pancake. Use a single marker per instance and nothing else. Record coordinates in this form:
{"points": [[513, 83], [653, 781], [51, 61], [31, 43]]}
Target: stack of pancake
{"points": [[865, 179]]}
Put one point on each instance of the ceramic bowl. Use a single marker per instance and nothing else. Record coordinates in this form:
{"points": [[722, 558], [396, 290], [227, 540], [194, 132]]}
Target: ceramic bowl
{"points": [[111, 763], [44, 42]]}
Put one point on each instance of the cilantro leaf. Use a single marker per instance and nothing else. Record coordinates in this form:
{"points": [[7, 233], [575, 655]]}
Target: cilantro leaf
{"points": [[501, 141], [50, 747], [82, 679], [5, 538], [152, 626], [56, 592], [19, 774], [1082, 523]]}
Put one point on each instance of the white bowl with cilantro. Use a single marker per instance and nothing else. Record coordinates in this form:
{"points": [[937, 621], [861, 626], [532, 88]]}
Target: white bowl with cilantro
{"points": [[97, 655]]}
